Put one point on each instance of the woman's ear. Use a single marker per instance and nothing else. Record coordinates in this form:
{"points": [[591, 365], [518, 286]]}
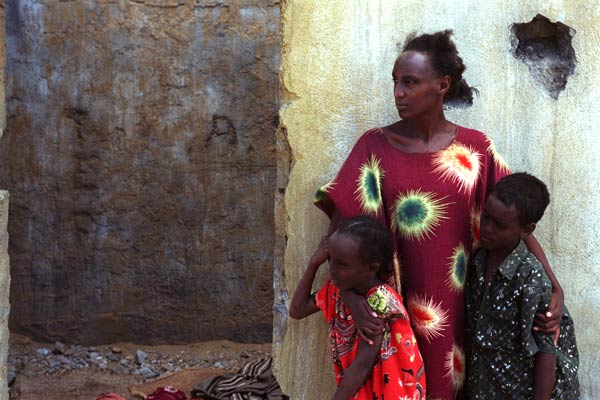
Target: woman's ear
{"points": [[444, 84], [528, 229]]}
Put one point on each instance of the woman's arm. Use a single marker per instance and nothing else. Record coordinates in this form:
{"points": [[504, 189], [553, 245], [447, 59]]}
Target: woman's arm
{"points": [[544, 376], [548, 322], [303, 304], [357, 373]]}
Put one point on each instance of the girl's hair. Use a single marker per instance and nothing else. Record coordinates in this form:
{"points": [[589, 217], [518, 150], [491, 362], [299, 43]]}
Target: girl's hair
{"points": [[374, 240], [444, 59]]}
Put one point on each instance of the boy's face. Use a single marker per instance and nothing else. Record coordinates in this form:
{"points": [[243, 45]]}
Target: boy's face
{"points": [[346, 267], [500, 227]]}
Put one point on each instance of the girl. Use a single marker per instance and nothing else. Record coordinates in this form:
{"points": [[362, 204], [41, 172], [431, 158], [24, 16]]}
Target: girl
{"points": [[390, 366]]}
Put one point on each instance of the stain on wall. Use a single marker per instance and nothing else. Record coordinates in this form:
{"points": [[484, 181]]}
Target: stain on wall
{"points": [[336, 82], [140, 156]]}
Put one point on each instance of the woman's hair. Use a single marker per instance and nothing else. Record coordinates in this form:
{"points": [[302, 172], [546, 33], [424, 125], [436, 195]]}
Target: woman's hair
{"points": [[529, 195], [374, 240], [444, 59]]}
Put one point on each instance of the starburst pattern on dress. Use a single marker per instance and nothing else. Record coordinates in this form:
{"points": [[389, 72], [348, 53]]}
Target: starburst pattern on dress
{"points": [[397, 272], [322, 192], [428, 318], [416, 214], [369, 186], [460, 164], [457, 268], [475, 227], [455, 366], [500, 162]]}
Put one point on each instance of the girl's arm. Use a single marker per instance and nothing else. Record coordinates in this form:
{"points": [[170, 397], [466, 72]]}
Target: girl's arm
{"points": [[544, 376], [303, 303], [357, 373], [550, 321], [365, 319]]}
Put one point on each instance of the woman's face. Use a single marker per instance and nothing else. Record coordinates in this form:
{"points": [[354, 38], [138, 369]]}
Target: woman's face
{"points": [[417, 88]]}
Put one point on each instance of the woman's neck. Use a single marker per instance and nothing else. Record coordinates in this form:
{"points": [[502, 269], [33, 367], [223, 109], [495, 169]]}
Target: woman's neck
{"points": [[426, 128], [423, 135]]}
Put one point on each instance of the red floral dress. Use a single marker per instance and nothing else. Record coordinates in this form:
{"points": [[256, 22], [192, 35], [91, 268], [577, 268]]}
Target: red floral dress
{"points": [[399, 372], [431, 202]]}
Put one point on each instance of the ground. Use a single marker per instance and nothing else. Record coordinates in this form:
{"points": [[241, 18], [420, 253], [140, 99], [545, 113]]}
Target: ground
{"points": [[59, 371]]}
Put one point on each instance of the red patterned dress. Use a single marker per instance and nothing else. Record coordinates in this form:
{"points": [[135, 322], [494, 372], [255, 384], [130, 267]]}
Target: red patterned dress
{"points": [[431, 202], [399, 372]]}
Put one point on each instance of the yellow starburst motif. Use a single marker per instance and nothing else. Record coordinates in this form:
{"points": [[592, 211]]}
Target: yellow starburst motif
{"points": [[500, 162], [455, 366], [322, 192], [397, 272], [460, 164], [475, 228], [457, 268], [369, 186], [416, 214], [429, 319]]}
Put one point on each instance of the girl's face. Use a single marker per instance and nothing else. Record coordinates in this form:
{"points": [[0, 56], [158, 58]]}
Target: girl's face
{"points": [[346, 267], [417, 88]]}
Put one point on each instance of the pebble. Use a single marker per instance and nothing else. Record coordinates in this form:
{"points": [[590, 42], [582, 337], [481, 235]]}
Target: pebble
{"points": [[140, 357], [59, 348]]}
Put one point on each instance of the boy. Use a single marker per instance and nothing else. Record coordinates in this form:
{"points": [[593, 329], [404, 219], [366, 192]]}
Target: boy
{"points": [[506, 286]]}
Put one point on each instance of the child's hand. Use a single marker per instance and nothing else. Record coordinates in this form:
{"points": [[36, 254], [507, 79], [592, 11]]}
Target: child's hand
{"points": [[321, 254]]}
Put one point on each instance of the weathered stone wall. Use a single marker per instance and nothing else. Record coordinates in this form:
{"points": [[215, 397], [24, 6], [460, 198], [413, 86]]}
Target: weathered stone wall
{"points": [[4, 262], [336, 67], [4, 291], [140, 156]]}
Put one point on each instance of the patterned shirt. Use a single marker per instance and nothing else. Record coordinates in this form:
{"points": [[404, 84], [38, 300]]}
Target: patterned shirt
{"points": [[398, 372], [501, 345]]}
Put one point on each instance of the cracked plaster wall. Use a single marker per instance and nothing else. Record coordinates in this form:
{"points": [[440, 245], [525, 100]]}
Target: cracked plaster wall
{"points": [[140, 156], [336, 82]]}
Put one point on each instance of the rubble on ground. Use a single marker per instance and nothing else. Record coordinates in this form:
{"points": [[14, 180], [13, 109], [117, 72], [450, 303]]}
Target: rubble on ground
{"points": [[144, 365]]}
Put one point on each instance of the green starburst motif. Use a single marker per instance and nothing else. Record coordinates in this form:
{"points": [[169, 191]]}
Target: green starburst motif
{"points": [[369, 186], [416, 214], [322, 192], [457, 270]]}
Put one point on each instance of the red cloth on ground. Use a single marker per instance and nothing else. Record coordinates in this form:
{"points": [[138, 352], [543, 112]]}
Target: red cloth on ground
{"points": [[167, 393], [431, 202]]}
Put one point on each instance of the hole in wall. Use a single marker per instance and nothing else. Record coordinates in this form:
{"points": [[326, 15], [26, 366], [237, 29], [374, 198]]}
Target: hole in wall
{"points": [[546, 48]]}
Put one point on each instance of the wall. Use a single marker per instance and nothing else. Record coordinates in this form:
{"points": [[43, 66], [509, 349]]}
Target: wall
{"points": [[140, 156], [336, 82], [4, 261]]}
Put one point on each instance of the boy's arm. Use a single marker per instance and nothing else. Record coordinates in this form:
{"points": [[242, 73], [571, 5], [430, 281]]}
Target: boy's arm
{"points": [[357, 373], [547, 322], [544, 376], [303, 303]]}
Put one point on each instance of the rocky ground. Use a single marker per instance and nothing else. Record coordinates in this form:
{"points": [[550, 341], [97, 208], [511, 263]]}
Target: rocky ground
{"points": [[59, 371]]}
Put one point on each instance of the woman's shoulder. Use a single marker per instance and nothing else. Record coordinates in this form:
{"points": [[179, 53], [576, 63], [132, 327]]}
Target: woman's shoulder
{"points": [[473, 137]]}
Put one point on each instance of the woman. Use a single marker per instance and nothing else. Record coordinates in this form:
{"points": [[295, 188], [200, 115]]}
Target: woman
{"points": [[426, 179]]}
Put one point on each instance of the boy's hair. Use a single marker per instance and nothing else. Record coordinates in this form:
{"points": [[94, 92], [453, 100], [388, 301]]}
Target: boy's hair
{"points": [[529, 195], [375, 241]]}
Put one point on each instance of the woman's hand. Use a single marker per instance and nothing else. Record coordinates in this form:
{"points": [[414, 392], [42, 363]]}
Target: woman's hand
{"points": [[368, 325], [549, 322]]}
